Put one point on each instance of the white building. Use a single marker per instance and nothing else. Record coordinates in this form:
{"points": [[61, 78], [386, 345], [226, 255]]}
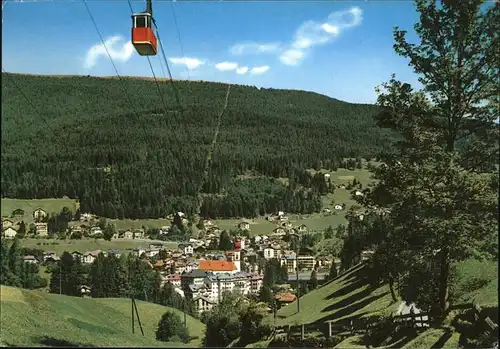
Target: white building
{"points": [[271, 252], [90, 257], [7, 223], [187, 249], [41, 229], [9, 233], [95, 231]]}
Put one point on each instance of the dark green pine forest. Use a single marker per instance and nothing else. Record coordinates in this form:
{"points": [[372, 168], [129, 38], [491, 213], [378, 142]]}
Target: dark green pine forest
{"points": [[126, 149]]}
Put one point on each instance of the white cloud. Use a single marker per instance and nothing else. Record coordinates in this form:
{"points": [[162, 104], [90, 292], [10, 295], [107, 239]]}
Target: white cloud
{"points": [[226, 66], [310, 34], [314, 33], [241, 70], [253, 48], [117, 52], [190, 63], [259, 70], [291, 57]]}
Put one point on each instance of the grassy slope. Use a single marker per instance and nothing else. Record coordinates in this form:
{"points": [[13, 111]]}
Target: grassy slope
{"points": [[258, 226], [346, 297], [29, 316], [349, 297], [49, 205], [59, 246]]}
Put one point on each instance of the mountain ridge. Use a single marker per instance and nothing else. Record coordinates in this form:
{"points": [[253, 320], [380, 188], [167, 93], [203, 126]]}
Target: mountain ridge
{"points": [[75, 124]]}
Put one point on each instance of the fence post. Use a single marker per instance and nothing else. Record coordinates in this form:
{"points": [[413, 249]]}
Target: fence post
{"points": [[302, 332]]}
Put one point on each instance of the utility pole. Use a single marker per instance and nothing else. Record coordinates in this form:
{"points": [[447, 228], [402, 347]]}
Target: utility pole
{"points": [[297, 270], [60, 277], [185, 317]]}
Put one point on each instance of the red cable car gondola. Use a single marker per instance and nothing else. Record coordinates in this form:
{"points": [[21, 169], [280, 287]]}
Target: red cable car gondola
{"points": [[143, 33]]}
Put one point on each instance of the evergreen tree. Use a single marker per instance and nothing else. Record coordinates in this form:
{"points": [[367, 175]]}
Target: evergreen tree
{"points": [[266, 294], [333, 271], [21, 232], [67, 276], [225, 241], [314, 279]]}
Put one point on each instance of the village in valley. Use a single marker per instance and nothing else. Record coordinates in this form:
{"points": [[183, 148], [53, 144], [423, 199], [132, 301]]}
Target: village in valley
{"points": [[200, 266], [327, 179]]}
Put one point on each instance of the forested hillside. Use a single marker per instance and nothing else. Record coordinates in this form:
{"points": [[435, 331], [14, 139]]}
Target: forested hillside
{"points": [[121, 147]]}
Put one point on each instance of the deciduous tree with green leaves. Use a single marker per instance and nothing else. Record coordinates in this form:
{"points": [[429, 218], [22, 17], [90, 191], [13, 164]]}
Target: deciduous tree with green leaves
{"points": [[438, 184], [171, 328]]}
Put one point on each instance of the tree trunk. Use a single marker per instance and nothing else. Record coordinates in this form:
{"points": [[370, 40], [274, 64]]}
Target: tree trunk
{"points": [[443, 282], [391, 288]]}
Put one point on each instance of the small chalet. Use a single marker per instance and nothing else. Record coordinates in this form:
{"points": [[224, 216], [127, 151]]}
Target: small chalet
{"points": [[187, 249], [85, 291], [203, 304], [39, 214], [285, 298], [9, 233], [7, 223], [18, 213], [244, 226], [30, 259], [302, 228], [41, 229]]}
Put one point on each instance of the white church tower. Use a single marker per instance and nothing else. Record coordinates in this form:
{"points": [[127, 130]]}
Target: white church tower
{"points": [[237, 259]]}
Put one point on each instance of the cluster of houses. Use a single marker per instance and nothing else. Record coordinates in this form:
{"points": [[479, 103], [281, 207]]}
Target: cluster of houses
{"points": [[193, 267], [10, 229], [10, 226], [207, 274]]}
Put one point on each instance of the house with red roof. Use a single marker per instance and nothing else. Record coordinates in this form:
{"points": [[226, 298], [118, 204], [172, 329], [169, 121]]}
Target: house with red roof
{"points": [[217, 267]]}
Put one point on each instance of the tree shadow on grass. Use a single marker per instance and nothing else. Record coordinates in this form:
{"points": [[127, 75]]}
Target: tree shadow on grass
{"points": [[352, 308], [443, 339], [347, 289], [358, 272], [55, 342], [400, 339], [349, 300]]}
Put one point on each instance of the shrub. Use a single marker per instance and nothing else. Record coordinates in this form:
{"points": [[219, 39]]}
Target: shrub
{"points": [[171, 329]]}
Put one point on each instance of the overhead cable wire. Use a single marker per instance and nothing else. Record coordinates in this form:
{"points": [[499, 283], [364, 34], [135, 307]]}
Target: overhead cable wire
{"points": [[179, 35], [107, 52], [152, 70], [132, 106], [171, 79]]}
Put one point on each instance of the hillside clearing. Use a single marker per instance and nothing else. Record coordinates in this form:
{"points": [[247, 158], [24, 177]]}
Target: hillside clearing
{"points": [[53, 205], [84, 245], [32, 318]]}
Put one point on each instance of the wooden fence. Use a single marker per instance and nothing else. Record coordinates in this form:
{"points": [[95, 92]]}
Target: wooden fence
{"points": [[488, 326], [412, 320]]}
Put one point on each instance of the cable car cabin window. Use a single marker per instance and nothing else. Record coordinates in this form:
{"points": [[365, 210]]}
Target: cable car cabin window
{"points": [[140, 22]]}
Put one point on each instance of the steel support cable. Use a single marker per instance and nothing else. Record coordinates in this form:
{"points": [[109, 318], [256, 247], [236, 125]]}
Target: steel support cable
{"points": [[176, 92], [146, 138], [166, 111], [179, 35], [152, 70]]}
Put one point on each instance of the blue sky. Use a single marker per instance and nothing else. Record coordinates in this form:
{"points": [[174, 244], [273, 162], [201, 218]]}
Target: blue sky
{"points": [[342, 49]]}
